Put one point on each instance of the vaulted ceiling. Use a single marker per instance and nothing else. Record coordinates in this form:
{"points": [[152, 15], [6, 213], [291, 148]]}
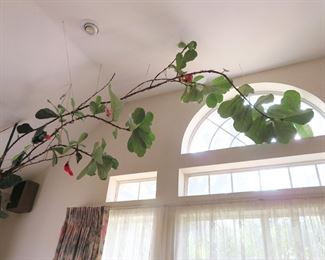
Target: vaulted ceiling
{"points": [[137, 38]]}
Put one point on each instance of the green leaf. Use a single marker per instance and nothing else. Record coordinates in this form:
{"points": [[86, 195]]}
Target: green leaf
{"points": [[93, 107], [291, 100], [213, 99], [181, 45], [54, 158], [98, 100], [104, 169], [79, 114], [198, 78], [73, 103], [58, 149], [115, 133], [179, 62], [192, 45], [18, 158], [138, 115], [258, 130], [9, 181], [116, 105], [78, 156], [300, 117], [284, 131], [24, 129], [246, 89], [45, 113], [97, 153], [82, 137], [61, 109], [228, 108], [263, 100], [38, 136], [141, 137], [190, 55], [243, 119], [192, 94], [304, 131], [90, 170], [3, 214], [222, 84]]}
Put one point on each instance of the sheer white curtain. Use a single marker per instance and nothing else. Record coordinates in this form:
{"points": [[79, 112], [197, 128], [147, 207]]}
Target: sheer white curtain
{"points": [[134, 234], [254, 230], [258, 230]]}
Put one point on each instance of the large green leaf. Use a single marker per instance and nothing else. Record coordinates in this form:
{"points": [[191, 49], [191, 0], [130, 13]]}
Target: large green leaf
{"points": [[192, 94], [258, 130], [45, 113], [291, 100], [38, 136], [24, 129], [90, 170], [228, 108], [218, 85], [116, 105], [284, 131], [300, 117], [243, 119], [213, 99], [9, 181], [265, 99], [141, 137], [189, 55], [246, 89], [138, 115], [304, 131], [180, 64]]}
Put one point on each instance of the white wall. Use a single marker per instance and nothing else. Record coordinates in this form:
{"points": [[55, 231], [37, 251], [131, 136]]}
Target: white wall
{"points": [[34, 235]]}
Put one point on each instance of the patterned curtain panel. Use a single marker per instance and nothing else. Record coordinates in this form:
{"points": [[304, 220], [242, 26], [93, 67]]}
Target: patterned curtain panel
{"points": [[83, 234]]}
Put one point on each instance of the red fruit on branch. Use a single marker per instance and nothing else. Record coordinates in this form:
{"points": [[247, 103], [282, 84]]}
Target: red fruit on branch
{"points": [[108, 111], [68, 169], [187, 78], [47, 137]]}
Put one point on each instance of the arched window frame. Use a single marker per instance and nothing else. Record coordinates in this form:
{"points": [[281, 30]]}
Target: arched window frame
{"points": [[260, 88]]}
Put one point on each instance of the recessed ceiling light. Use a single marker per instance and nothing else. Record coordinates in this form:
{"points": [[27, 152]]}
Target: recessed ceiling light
{"points": [[90, 27]]}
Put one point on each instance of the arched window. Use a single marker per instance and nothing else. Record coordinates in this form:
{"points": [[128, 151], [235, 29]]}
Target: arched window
{"points": [[208, 131]]}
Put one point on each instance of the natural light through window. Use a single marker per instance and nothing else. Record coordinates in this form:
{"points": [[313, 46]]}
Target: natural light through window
{"points": [[261, 179], [139, 186], [213, 132]]}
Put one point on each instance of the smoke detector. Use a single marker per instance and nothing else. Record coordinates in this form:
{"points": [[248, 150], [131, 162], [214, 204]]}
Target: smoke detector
{"points": [[90, 27]]}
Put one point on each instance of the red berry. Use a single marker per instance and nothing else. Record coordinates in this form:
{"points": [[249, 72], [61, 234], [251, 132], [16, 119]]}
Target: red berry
{"points": [[187, 78], [68, 169]]}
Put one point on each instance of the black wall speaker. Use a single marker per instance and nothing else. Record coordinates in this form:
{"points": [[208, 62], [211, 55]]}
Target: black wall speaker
{"points": [[22, 197]]}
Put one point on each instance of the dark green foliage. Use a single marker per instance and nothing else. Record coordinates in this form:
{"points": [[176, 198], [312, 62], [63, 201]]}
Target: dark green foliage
{"points": [[24, 129], [16, 160], [96, 107], [141, 137], [38, 136], [45, 113]]}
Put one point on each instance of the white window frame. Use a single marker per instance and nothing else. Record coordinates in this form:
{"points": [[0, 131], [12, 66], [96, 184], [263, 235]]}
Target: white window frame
{"points": [[115, 181], [185, 174]]}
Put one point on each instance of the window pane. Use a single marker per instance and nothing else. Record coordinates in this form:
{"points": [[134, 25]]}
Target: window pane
{"points": [[128, 191], [147, 190], [198, 185], [203, 137], [304, 176], [277, 178], [321, 172], [221, 140], [246, 181], [220, 183]]}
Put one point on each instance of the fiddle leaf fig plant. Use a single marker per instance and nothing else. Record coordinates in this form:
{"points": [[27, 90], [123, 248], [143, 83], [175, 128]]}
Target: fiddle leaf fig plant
{"points": [[260, 121]]}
